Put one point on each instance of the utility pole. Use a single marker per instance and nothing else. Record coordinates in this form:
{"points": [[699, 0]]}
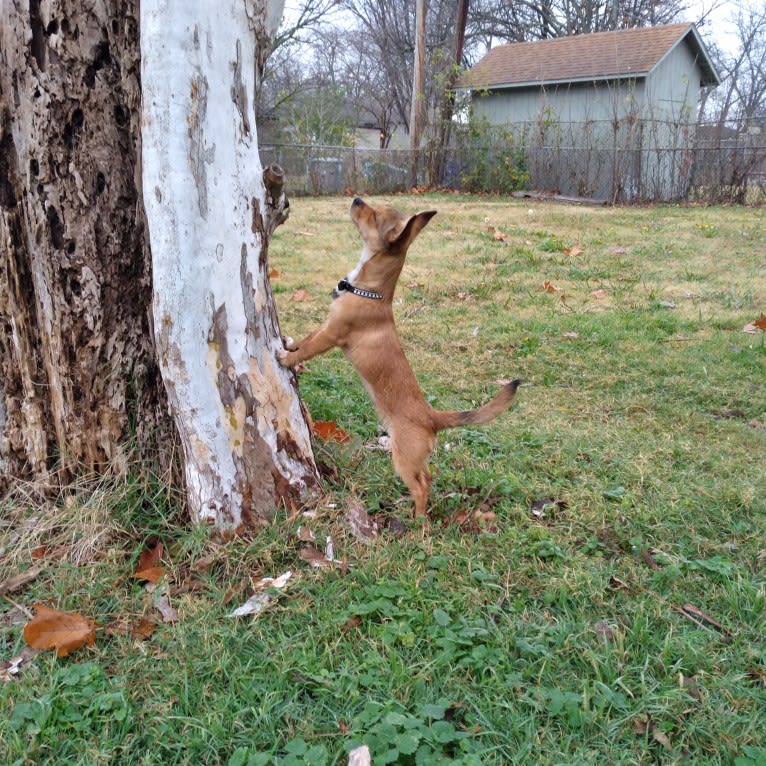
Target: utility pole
{"points": [[418, 88]]}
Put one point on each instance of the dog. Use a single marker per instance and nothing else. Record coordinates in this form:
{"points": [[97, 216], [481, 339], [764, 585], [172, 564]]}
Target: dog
{"points": [[361, 324]]}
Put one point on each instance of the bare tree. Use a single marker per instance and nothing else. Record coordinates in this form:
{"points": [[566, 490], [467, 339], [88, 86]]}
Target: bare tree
{"points": [[527, 20]]}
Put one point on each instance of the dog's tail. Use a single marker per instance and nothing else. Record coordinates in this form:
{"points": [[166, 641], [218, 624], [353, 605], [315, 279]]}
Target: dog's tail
{"points": [[484, 414]]}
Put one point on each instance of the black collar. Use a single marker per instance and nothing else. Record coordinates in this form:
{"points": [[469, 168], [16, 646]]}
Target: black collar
{"points": [[345, 286]]}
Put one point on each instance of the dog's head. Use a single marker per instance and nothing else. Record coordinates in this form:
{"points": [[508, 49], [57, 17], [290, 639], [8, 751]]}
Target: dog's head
{"points": [[386, 231]]}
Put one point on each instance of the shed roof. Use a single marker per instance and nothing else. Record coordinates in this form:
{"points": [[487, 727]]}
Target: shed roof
{"points": [[584, 58]]}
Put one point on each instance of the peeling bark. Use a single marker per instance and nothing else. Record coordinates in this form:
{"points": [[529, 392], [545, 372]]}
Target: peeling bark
{"points": [[245, 440], [89, 316], [77, 370]]}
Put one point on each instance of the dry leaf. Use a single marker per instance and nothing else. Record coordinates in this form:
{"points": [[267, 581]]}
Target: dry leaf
{"points": [[618, 250], [548, 287], [301, 296], [362, 526], [11, 668], [313, 556], [203, 565], [162, 604], [329, 431], [498, 236], [305, 535], [618, 584], [598, 294], [254, 605], [62, 631], [19, 580], [573, 251], [352, 622], [572, 335], [152, 574], [760, 323], [274, 582], [148, 568], [144, 629], [273, 274]]}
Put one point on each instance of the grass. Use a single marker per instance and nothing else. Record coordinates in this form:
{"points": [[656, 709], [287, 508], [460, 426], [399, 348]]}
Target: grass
{"points": [[542, 617]]}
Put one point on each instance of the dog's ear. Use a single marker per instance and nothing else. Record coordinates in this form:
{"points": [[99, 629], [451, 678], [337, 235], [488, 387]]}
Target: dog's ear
{"points": [[411, 230]]}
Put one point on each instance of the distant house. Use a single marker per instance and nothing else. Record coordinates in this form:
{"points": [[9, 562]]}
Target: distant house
{"points": [[617, 108]]}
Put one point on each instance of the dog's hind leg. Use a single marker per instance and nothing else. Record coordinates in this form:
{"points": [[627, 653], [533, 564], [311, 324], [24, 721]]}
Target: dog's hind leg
{"points": [[411, 451]]}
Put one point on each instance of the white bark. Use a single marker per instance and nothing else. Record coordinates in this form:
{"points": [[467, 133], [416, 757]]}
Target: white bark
{"points": [[215, 326]]}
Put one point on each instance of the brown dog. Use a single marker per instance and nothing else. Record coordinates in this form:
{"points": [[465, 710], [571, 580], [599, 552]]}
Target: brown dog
{"points": [[361, 323]]}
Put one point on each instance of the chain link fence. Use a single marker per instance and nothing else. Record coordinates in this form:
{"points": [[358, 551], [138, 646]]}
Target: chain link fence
{"points": [[612, 161]]}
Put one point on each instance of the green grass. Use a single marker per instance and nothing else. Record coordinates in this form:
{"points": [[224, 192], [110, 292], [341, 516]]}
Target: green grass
{"points": [[627, 482]]}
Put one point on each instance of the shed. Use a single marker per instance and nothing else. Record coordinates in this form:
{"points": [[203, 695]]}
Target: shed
{"points": [[618, 107]]}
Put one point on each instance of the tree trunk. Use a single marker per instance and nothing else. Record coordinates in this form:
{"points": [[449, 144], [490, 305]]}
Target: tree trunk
{"points": [[245, 440], [444, 126], [77, 373], [81, 298]]}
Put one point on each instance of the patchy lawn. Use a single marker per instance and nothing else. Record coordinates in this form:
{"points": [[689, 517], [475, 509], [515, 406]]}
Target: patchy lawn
{"points": [[591, 586]]}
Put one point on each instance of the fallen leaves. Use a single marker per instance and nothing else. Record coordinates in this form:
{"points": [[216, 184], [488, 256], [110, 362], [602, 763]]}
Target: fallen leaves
{"points": [[328, 430], [362, 526], [62, 631], [20, 580], [260, 600], [756, 326], [149, 568]]}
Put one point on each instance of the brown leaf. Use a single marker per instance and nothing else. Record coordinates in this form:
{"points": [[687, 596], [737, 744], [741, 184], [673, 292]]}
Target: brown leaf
{"points": [[548, 287], [329, 431], [573, 251], [305, 535], [20, 580], [598, 294], [144, 629], [163, 606], [362, 526], [352, 622], [313, 556], [547, 507], [498, 236], [617, 584], [690, 684], [203, 565], [62, 631], [273, 274], [151, 574], [148, 568], [760, 323], [301, 296], [150, 557]]}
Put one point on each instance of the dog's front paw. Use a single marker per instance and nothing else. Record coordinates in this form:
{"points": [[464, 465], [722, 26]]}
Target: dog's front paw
{"points": [[282, 356], [289, 343]]}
